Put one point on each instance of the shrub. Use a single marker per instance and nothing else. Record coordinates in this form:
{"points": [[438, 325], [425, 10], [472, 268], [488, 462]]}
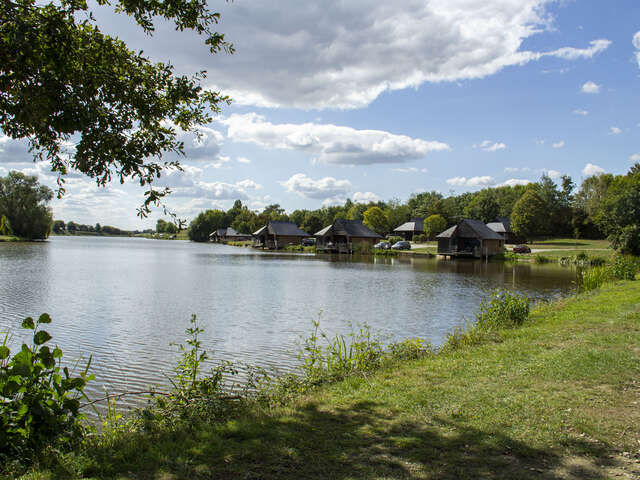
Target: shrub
{"points": [[504, 309], [410, 349], [421, 238], [539, 258], [624, 267], [39, 399], [394, 239]]}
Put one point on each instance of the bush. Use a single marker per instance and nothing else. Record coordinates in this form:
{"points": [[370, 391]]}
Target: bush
{"points": [[539, 258], [394, 239], [624, 267], [504, 309], [421, 238], [39, 399]]}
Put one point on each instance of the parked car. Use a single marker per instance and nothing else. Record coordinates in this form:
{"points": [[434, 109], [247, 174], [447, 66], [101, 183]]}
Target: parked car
{"points": [[382, 245], [521, 249], [401, 245], [308, 242]]}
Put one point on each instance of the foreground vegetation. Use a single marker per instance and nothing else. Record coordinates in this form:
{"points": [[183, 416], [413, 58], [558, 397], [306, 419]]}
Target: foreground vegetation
{"points": [[551, 393]]}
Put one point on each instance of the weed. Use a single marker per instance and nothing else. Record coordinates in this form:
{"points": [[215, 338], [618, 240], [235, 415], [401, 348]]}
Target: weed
{"points": [[39, 399], [504, 309]]}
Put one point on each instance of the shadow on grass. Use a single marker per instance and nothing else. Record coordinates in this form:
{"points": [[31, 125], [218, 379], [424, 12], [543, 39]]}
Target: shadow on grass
{"points": [[360, 442]]}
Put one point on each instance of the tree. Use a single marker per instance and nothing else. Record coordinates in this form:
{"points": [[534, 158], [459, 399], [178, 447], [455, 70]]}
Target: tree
{"points": [[313, 222], [529, 215], [433, 225], [396, 213], [483, 207], [63, 80], [205, 223], [58, 226], [161, 225], [25, 204], [375, 219], [619, 216]]}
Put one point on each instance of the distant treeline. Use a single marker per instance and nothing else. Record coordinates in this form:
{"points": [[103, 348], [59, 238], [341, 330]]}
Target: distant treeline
{"points": [[60, 227], [603, 206]]}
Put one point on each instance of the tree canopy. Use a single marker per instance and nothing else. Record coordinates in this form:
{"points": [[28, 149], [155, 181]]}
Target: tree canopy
{"points": [[24, 205], [85, 101]]}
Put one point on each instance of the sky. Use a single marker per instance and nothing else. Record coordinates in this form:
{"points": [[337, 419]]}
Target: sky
{"points": [[374, 100]]}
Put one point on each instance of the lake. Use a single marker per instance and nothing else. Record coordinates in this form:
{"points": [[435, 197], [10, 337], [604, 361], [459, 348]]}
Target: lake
{"points": [[124, 300]]}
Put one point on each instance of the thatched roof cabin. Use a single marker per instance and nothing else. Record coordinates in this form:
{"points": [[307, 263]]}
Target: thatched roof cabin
{"points": [[228, 234], [503, 228], [469, 238], [343, 236], [408, 229], [277, 234]]}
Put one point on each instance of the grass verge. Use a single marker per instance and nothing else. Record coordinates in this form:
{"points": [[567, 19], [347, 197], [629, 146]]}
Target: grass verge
{"points": [[558, 397]]}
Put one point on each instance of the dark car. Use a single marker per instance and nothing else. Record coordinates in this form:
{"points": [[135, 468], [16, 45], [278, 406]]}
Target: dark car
{"points": [[308, 242], [401, 245], [521, 249], [382, 245]]}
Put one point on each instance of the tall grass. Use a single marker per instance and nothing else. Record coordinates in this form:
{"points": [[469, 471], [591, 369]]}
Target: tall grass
{"points": [[621, 267]]}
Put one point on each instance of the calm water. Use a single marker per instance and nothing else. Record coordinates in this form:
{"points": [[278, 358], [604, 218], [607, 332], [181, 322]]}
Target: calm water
{"points": [[125, 300]]}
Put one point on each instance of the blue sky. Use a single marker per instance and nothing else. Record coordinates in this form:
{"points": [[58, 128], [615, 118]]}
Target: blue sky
{"points": [[366, 100]]}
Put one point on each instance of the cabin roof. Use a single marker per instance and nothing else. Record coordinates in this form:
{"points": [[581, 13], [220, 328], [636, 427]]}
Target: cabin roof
{"points": [[503, 225], [414, 225], [470, 229], [288, 229], [352, 228]]}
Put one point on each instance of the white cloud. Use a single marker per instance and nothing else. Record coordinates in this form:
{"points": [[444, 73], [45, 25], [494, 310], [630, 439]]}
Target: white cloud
{"points": [[189, 183], [635, 157], [614, 131], [324, 188], [559, 144], [512, 182], [330, 143], [14, 151], [484, 181], [591, 169], [590, 87], [410, 170], [365, 197], [636, 43], [345, 54], [489, 146], [554, 174], [580, 111], [243, 160]]}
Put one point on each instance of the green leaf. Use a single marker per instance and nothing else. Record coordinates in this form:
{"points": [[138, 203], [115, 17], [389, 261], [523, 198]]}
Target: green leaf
{"points": [[41, 337], [44, 318], [57, 353], [28, 323], [4, 352]]}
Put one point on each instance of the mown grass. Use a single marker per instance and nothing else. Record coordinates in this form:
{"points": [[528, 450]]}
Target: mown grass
{"points": [[558, 397]]}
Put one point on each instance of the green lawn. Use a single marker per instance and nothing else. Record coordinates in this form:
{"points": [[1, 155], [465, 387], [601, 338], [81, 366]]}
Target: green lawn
{"points": [[557, 398]]}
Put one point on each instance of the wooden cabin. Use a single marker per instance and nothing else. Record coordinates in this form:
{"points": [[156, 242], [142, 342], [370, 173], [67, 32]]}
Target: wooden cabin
{"points": [[223, 235], [470, 238], [411, 228], [276, 235], [345, 236], [503, 228]]}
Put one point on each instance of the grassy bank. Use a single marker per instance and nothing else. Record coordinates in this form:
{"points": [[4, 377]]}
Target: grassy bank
{"points": [[556, 398], [12, 238]]}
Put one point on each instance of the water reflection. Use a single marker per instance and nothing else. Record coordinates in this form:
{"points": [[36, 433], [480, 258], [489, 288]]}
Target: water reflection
{"points": [[125, 300]]}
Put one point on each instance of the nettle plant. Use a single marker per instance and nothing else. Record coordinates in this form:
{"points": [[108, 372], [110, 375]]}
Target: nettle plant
{"points": [[39, 399]]}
